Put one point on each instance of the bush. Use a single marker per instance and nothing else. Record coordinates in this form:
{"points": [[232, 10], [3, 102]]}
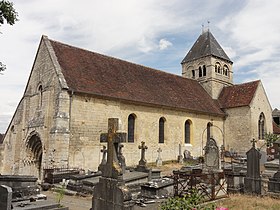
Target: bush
{"points": [[187, 202]]}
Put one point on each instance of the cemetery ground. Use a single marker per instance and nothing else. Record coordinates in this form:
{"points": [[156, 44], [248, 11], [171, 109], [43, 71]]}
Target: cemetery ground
{"points": [[234, 202]]}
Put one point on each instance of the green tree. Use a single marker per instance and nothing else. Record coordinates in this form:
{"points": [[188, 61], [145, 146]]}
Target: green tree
{"points": [[8, 14], [270, 138]]}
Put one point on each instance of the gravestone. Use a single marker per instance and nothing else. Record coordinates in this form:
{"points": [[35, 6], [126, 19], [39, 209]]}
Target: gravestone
{"points": [[187, 155], [121, 158], [180, 156], [263, 159], [252, 181], [103, 161], [23, 187], [159, 160], [142, 165], [211, 155], [111, 193], [5, 197], [274, 182]]}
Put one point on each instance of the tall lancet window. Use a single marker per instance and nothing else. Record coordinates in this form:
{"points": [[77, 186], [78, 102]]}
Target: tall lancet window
{"points": [[188, 132], [261, 126], [131, 128], [209, 125], [40, 96], [161, 130]]}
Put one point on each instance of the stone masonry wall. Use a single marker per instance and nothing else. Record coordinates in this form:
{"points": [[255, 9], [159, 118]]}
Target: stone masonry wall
{"points": [[260, 104], [238, 129], [89, 118], [241, 125], [45, 115]]}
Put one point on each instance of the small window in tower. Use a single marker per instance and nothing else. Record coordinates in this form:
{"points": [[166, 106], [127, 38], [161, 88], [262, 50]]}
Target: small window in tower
{"points": [[204, 70], [225, 70], [200, 72], [193, 74], [217, 67]]}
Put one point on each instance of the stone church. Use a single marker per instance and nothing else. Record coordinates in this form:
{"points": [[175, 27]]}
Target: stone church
{"points": [[71, 93]]}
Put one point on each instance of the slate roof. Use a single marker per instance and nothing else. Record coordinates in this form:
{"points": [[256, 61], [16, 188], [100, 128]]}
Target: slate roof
{"points": [[276, 128], [238, 95], [276, 113], [100, 75], [206, 45]]}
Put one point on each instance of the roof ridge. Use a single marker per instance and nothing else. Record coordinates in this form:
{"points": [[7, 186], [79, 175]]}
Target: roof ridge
{"points": [[119, 59]]}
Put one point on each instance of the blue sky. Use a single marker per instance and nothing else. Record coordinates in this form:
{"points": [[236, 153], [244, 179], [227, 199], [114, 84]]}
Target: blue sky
{"points": [[154, 33]]}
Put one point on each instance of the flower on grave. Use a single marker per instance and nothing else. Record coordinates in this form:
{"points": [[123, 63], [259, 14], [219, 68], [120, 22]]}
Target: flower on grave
{"points": [[222, 208]]}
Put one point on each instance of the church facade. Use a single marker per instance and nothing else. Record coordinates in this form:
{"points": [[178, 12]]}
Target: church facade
{"points": [[72, 92]]}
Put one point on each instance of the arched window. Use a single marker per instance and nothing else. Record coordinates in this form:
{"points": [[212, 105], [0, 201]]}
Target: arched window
{"points": [[200, 71], [209, 125], [261, 126], [40, 94], [204, 70], [217, 67], [131, 128], [187, 132], [193, 74], [161, 130], [225, 70]]}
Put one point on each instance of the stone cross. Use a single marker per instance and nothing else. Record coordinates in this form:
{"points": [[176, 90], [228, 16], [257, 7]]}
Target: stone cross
{"points": [[143, 148], [112, 168], [103, 161], [159, 160], [254, 143]]}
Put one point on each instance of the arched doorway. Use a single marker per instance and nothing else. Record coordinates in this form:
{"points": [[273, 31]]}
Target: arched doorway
{"points": [[34, 151]]}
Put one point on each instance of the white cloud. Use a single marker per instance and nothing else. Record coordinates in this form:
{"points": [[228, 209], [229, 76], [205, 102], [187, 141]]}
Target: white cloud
{"points": [[163, 44], [133, 30]]}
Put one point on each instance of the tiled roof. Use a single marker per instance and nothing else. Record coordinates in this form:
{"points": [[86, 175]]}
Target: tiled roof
{"points": [[206, 45], [276, 128], [100, 75], [238, 95]]}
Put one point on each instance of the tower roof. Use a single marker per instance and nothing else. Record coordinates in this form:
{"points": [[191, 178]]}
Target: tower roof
{"points": [[206, 45]]}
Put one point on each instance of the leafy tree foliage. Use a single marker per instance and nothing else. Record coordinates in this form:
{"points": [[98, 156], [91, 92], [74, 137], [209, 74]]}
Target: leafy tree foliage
{"points": [[270, 138], [8, 14]]}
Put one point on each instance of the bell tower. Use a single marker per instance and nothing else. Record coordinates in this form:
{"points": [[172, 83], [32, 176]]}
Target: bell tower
{"points": [[207, 63]]}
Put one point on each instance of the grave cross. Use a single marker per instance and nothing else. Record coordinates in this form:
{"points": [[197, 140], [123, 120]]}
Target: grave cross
{"points": [[254, 142], [159, 160], [159, 151], [143, 148], [112, 168]]}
